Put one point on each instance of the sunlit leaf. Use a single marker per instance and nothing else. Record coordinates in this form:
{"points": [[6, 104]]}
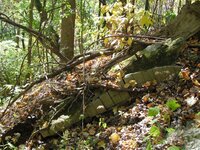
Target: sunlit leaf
{"points": [[114, 138], [196, 82], [170, 130], [149, 146], [173, 104], [129, 42], [104, 9], [154, 131], [126, 85], [173, 148], [106, 41], [153, 111], [101, 144], [146, 20], [185, 74], [132, 83], [191, 100]]}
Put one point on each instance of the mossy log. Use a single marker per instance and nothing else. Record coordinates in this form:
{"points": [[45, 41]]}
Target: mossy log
{"points": [[155, 55], [102, 102]]}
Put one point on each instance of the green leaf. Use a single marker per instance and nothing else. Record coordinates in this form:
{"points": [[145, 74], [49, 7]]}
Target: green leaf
{"points": [[198, 113], [149, 146], [81, 117], [173, 104], [104, 125], [173, 148], [154, 131], [170, 130], [153, 111]]}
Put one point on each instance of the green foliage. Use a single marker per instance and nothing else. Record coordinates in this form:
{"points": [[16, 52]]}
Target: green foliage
{"points": [[173, 104], [149, 145], [10, 61], [102, 123], [169, 16], [153, 111], [154, 131], [173, 148], [65, 140], [117, 23], [170, 130], [198, 113], [82, 117], [146, 19]]}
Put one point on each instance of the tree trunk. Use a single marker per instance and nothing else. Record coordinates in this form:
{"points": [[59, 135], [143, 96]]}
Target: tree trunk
{"points": [[67, 30], [30, 40]]}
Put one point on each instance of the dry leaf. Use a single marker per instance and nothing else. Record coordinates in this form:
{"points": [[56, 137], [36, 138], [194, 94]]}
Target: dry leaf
{"points": [[114, 138], [191, 101]]}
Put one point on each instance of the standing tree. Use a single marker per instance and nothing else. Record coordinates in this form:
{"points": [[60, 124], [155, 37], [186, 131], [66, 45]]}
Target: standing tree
{"points": [[68, 29]]}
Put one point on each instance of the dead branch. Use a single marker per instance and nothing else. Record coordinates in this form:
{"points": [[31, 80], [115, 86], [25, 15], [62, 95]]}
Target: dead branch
{"points": [[71, 65]]}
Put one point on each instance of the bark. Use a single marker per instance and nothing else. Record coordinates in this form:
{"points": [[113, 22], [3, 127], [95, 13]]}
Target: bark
{"points": [[30, 40], [67, 30]]}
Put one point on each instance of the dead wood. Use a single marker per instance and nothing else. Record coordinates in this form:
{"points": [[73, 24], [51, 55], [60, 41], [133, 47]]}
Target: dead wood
{"points": [[186, 24]]}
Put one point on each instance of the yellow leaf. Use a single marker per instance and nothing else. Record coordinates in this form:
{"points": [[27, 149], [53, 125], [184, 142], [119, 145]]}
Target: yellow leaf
{"points": [[129, 42], [146, 20], [197, 120], [115, 109], [114, 138], [106, 41], [121, 44], [147, 84], [101, 144], [132, 83], [104, 9], [45, 124], [196, 82], [120, 74], [126, 85]]}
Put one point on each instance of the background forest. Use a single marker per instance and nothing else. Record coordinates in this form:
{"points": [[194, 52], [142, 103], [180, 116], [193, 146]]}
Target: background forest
{"points": [[34, 33], [77, 43]]}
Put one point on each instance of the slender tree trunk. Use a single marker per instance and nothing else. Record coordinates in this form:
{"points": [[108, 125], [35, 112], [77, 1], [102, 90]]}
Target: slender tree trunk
{"points": [[30, 40], [188, 2], [179, 5], [147, 5], [67, 30], [17, 37]]}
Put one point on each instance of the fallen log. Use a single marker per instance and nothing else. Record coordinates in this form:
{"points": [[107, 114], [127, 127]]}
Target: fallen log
{"points": [[186, 24], [102, 102]]}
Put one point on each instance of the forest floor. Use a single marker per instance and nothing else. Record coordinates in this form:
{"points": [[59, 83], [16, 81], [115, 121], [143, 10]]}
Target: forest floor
{"points": [[154, 120]]}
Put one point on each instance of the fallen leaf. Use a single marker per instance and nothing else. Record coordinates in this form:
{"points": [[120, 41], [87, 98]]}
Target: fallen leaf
{"points": [[101, 144], [191, 100], [92, 131], [114, 138]]}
